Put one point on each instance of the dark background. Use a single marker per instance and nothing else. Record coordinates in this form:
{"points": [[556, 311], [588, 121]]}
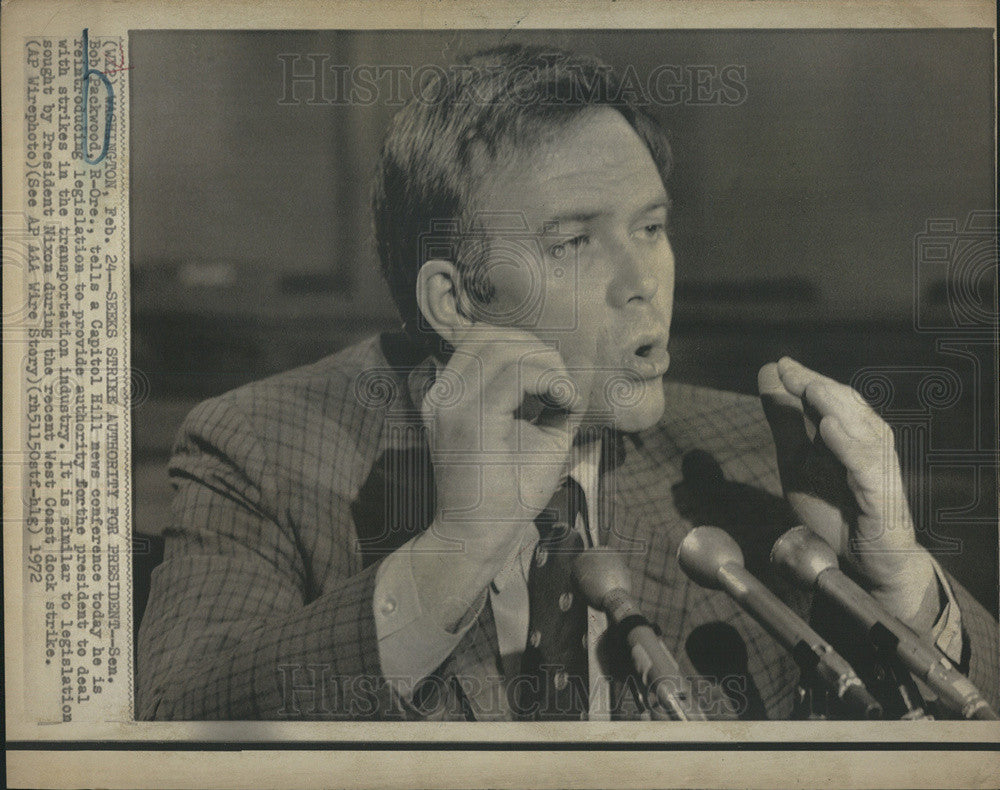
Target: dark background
{"points": [[800, 227]]}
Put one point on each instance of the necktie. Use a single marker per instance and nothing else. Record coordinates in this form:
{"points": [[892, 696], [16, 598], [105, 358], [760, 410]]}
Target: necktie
{"points": [[553, 683]]}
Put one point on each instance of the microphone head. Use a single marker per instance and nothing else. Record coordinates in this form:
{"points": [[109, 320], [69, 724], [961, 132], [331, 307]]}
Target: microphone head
{"points": [[803, 555], [704, 551], [598, 572]]}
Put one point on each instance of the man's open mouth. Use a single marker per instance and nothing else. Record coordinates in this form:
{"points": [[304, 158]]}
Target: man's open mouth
{"points": [[650, 359]]}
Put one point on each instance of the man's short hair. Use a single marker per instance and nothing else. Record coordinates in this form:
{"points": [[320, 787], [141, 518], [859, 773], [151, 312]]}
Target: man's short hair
{"points": [[455, 130]]}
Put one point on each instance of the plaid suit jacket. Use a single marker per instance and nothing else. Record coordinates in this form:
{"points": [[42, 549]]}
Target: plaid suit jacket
{"points": [[289, 491]]}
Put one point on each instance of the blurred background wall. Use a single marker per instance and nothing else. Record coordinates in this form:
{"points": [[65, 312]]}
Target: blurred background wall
{"points": [[801, 210]]}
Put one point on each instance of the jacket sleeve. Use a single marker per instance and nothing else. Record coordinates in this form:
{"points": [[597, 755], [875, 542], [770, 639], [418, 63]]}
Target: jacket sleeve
{"points": [[232, 629], [980, 644]]}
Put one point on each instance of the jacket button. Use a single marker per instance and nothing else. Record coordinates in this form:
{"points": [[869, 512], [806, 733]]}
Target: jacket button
{"points": [[536, 638], [561, 680], [388, 606], [541, 557], [566, 601]]}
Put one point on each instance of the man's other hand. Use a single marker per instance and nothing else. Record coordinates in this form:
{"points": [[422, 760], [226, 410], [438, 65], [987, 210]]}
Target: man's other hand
{"points": [[841, 475]]}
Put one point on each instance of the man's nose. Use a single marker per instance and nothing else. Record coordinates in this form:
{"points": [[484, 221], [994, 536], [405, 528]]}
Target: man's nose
{"points": [[635, 281]]}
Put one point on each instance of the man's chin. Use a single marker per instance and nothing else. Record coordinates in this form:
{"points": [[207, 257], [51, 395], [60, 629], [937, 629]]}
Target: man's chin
{"points": [[641, 412]]}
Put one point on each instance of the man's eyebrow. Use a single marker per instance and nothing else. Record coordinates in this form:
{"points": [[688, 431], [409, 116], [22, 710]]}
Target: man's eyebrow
{"points": [[662, 202], [552, 224]]}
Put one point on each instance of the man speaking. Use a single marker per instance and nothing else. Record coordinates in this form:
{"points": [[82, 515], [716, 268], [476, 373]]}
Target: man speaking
{"points": [[391, 532]]}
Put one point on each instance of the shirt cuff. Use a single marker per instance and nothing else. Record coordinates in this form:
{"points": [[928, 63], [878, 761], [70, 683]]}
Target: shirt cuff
{"points": [[411, 644], [947, 630]]}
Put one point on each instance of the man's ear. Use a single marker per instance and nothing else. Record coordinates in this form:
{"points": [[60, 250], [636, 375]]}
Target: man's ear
{"points": [[442, 300]]}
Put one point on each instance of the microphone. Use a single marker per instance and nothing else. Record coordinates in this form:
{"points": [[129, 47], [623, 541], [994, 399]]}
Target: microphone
{"points": [[713, 559], [603, 580], [812, 562]]}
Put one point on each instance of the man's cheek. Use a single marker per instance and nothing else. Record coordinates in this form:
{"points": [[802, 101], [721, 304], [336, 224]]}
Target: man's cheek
{"points": [[516, 295], [562, 312]]}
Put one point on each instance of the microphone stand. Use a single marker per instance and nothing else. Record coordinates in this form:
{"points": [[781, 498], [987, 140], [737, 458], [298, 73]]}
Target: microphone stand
{"points": [[603, 580], [902, 654], [710, 557], [907, 702]]}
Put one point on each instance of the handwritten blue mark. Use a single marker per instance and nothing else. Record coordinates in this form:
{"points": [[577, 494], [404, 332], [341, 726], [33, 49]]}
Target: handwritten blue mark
{"points": [[109, 109]]}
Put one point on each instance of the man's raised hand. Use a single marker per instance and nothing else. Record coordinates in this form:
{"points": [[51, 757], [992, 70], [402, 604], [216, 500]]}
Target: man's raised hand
{"points": [[840, 473], [494, 472]]}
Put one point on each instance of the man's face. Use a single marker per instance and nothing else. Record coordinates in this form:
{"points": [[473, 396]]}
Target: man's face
{"points": [[590, 270]]}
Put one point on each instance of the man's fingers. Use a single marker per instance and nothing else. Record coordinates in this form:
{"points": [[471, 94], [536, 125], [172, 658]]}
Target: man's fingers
{"points": [[769, 384], [783, 411], [481, 353], [537, 372], [802, 382], [829, 397], [796, 376], [498, 368], [855, 454], [870, 462], [544, 375]]}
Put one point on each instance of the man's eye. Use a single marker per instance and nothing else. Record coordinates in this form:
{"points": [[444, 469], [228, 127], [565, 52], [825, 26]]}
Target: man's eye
{"points": [[560, 250], [655, 229]]}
